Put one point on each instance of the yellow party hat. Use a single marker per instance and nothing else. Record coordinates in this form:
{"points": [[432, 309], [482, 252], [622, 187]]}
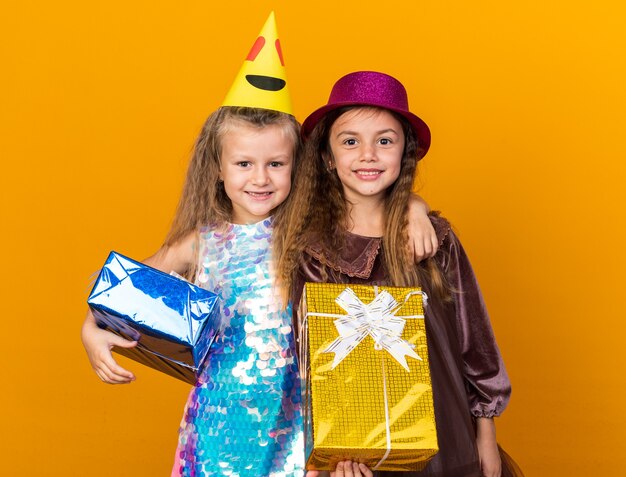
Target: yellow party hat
{"points": [[262, 82]]}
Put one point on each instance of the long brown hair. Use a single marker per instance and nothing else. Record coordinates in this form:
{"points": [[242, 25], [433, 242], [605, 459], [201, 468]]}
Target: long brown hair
{"points": [[203, 200], [318, 213]]}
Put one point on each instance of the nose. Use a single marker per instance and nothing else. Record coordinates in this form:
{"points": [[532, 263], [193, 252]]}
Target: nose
{"points": [[260, 177], [368, 153]]}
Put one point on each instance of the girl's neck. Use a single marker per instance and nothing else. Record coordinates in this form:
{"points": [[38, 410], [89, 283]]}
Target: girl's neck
{"points": [[367, 218]]}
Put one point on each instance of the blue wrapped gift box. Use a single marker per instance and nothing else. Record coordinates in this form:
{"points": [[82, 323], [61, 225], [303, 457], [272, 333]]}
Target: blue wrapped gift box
{"points": [[173, 321]]}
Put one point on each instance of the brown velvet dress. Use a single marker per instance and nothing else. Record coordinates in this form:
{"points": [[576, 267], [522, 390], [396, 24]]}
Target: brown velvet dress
{"points": [[468, 375]]}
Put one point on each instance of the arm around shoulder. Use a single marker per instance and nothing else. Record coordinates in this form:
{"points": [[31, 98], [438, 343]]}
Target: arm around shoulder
{"points": [[422, 235]]}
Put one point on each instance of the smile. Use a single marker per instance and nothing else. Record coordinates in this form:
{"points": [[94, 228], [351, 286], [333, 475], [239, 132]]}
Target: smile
{"points": [[259, 195], [368, 174]]}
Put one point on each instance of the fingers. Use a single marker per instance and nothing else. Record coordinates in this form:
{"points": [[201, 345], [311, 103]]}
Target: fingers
{"points": [[122, 342], [351, 469], [425, 247], [488, 453], [115, 375], [493, 471], [365, 471], [419, 251], [434, 244], [489, 473], [101, 375], [110, 372], [98, 344], [428, 247], [114, 372]]}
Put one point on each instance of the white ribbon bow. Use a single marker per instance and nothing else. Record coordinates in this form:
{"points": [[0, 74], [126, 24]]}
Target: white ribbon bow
{"points": [[376, 319]]}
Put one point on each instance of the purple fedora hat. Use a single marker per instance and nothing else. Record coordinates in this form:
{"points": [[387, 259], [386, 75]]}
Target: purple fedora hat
{"points": [[369, 88]]}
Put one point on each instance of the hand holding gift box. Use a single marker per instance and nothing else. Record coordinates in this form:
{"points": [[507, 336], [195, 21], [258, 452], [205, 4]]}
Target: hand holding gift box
{"points": [[173, 321], [368, 393]]}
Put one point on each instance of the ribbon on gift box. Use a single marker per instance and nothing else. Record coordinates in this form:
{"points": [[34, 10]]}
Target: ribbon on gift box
{"points": [[376, 319]]}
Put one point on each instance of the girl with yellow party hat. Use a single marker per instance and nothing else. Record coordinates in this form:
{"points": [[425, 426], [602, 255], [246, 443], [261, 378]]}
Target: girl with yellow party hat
{"points": [[243, 415]]}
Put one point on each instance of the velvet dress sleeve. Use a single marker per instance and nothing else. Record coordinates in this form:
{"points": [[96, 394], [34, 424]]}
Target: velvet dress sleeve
{"points": [[487, 382]]}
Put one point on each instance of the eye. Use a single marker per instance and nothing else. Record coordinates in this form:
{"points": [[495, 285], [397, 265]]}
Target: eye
{"points": [[385, 141], [244, 164], [350, 142], [276, 164]]}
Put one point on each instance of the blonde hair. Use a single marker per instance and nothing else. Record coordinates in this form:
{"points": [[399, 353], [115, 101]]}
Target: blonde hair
{"points": [[203, 200], [319, 212]]}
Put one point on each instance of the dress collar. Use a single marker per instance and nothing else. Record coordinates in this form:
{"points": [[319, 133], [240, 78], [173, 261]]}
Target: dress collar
{"points": [[357, 256]]}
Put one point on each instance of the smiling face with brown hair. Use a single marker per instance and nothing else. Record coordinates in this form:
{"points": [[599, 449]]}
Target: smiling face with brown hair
{"points": [[367, 145]]}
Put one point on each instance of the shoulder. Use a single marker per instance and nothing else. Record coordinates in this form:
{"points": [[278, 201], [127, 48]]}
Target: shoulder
{"points": [[178, 256], [443, 228], [449, 245]]}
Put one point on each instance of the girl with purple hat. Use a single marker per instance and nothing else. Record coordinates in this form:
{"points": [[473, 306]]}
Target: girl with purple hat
{"points": [[361, 154]]}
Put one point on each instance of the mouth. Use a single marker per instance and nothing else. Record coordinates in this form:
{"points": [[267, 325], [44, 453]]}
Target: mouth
{"points": [[266, 83], [368, 174], [259, 195]]}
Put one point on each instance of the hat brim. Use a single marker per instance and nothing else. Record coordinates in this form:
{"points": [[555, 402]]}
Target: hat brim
{"points": [[422, 131]]}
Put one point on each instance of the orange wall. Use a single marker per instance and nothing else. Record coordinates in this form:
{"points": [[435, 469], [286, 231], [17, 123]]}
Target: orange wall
{"points": [[99, 106]]}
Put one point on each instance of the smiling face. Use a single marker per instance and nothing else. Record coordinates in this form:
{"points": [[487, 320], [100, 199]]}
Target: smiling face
{"points": [[367, 147], [255, 165]]}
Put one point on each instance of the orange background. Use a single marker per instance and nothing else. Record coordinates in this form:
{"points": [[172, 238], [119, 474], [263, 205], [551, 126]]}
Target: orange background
{"points": [[99, 106]]}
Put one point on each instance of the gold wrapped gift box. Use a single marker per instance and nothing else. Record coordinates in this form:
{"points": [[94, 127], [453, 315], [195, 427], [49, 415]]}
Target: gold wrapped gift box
{"points": [[368, 395]]}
